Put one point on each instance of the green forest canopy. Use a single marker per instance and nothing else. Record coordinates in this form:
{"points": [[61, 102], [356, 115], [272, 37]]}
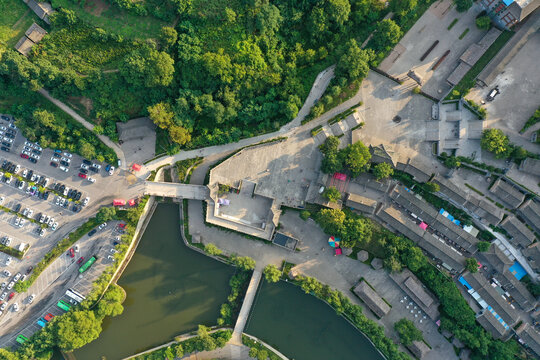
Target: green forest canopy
{"points": [[228, 69]]}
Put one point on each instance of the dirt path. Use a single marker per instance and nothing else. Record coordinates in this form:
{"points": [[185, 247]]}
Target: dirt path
{"points": [[20, 20]]}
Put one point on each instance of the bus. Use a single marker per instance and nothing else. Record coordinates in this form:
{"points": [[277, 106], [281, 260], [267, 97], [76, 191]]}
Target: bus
{"points": [[87, 264], [21, 339], [63, 305], [72, 294]]}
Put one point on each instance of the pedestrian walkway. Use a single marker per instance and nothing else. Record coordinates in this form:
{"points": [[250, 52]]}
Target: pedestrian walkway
{"points": [[246, 307], [176, 190]]}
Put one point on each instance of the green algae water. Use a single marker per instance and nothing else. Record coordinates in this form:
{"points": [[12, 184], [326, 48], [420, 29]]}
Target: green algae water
{"points": [[170, 290], [302, 327]]}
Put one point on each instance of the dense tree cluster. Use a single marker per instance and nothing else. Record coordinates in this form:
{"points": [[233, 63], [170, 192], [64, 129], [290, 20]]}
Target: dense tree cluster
{"points": [[271, 273], [407, 332], [353, 158]]}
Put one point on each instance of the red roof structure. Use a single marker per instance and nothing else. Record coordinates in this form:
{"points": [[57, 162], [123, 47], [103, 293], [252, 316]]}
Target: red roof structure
{"points": [[119, 202], [136, 167], [131, 202], [340, 176], [337, 251]]}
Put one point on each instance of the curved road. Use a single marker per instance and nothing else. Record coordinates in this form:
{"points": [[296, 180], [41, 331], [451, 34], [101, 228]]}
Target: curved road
{"points": [[86, 124]]}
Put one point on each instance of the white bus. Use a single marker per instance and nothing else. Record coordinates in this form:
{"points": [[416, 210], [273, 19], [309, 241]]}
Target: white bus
{"points": [[72, 294]]}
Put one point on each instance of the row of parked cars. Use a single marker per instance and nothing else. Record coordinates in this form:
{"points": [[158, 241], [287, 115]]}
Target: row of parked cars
{"points": [[7, 134], [31, 151], [5, 297], [61, 160]]}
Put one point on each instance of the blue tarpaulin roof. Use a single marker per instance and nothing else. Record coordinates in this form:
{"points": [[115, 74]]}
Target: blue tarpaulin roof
{"points": [[517, 270], [464, 282], [508, 2]]}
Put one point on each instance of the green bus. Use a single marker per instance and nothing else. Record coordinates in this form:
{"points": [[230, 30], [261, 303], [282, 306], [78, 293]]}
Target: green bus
{"points": [[87, 264], [63, 305], [21, 339]]}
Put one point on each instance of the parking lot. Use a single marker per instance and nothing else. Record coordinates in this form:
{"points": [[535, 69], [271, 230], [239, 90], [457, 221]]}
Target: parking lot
{"points": [[430, 28], [61, 275], [47, 197]]}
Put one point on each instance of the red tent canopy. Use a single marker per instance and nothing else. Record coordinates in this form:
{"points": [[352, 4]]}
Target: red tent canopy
{"points": [[136, 167], [337, 251], [131, 202], [119, 202], [340, 176]]}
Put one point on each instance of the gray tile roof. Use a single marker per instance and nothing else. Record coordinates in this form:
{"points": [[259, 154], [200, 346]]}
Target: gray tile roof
{"points": [[492, 325], [361, 203], [532, 253], [507, 193], [530, 212], [531, 166], [485, 210], [374, 302], [521, 235], [530, 336], [517, 290]]}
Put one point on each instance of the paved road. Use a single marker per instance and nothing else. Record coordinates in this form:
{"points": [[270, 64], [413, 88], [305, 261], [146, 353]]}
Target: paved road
{"points": [[246, 305], [184, 191], [87, 125]]}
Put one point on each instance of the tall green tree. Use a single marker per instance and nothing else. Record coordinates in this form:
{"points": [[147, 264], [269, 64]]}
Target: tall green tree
{"points": [[354, 63], [331, 194], [495, 141], [357, 158], [271, 273], [407, 332], [463, 5], [76, 329], [383, 170], [147, 67], [386, 35]]}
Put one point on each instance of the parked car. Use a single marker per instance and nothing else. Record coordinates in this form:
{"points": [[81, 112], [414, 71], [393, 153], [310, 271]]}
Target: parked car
{"points": [[48, 317], [81, 259], [31, 298], [71, 253], [81, 175], [92, 232], [111, 170]]}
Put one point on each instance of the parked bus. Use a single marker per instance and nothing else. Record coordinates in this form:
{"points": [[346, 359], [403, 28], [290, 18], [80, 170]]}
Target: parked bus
{"points": [[72, 294], [21, 339], [87, 264], [63, 305]]}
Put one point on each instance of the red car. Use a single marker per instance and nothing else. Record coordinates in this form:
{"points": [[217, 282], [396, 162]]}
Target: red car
{"points": [[48, 317], [24, 156], [81, 175], [11, 295], [71, 252], [81, 259]]}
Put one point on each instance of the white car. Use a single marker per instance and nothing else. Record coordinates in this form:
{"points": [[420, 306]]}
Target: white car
{"points": [[8, 261], [25, 211], [4, 284], [3, 307], [66, 190], [91, 179], [66, 159], [55, 159], [34, 178], [2, 199], [27, 153], [8, 241], [68, 155], [113, 251], [10, 285], [17, 221], [50, 222], [111, 258], [84, 166], [54, 226], [57, 200], [17, 277], [42, 218], [97, 166], [8, 181], [6, 273], [8, 140], [111, 170], [47, 219], [102, 226], [17, 168], [31, 298], [25, 172], [3, 296], [22, 222], [76, 248], [42, 233], [21, 185], [63, 168], [86, 201], [30, 213], [27, 143], [37, 147], [15, 307]]}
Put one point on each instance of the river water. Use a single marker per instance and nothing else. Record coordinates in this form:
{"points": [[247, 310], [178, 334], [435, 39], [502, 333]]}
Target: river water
{"points": [[302, 327], [170, 290]]}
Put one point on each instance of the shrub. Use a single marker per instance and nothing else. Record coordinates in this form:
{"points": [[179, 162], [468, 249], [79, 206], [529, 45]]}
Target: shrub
{"points": [[407, 332], [304, 215], [331, 194], [212, 249], [417, 90], [483, 22], [271, 273]]}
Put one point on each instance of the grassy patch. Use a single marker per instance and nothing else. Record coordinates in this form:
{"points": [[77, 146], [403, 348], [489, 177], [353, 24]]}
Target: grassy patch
{"points": [[452, 24], [465, 85], [316, 130], [474, 189], [463, 34], [115, 20], [15, 18], [184, 168], [531, 121]]}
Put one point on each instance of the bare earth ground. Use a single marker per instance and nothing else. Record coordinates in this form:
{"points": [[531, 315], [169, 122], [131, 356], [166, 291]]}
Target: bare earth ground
{"points": [[96, 7]]}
